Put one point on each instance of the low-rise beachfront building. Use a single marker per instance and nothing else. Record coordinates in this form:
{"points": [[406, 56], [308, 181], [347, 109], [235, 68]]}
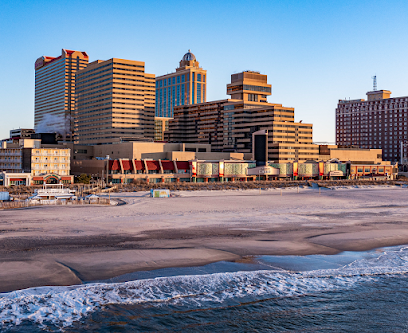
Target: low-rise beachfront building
{"points": [[167, 171], [28, 157], [27, 179]]}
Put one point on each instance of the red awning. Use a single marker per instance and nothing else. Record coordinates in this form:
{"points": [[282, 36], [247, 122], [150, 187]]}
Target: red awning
{"points": [[17, 179], [139, 165], [127, 165], [153, 165], [183, 165], [66, 178], [167, 165], [114, 165], [38, 178]]}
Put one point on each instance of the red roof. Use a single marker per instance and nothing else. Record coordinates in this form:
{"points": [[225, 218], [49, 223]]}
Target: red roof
{"points": [[16, 179], [153, 165], [139, 165], [167, 165], [183, 165], [127, 165], [114, 165]]}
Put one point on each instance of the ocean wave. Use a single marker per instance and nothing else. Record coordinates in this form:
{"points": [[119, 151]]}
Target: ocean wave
{"points": [[62, 306]]}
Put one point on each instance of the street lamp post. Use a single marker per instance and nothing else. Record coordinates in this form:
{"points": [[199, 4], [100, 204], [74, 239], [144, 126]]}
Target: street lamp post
{"points": [[107, 170]]}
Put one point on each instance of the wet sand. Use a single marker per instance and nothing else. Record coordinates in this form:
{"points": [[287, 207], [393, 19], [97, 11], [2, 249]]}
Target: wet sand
{"points": [[69, 245]]}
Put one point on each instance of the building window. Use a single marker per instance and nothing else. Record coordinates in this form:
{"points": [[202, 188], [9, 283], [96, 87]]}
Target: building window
{"points": [[198, 92], [198, 77], [203, 77], [174, 79], [178, 95], [169, 110], [161, 83], [164, 101], [182, 95], [173, 101], [183, 78], [169, 80]]}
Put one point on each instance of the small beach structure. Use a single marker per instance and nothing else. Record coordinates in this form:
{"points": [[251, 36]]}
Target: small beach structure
{"points": [[92, 198], [160, 193]]}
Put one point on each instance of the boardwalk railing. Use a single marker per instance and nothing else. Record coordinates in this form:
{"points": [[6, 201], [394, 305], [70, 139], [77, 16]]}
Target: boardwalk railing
{"points": [[23, 204]]}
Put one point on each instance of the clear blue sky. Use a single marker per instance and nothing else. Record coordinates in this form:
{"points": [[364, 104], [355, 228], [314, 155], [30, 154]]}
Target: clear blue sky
{"points": [[314, 52]]}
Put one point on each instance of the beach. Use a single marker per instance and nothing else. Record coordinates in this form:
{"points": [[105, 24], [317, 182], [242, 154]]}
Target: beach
{"points": [[63, 245]]}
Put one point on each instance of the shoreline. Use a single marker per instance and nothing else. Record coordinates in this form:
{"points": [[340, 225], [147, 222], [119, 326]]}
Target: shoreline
{"points": [[64, 246]]}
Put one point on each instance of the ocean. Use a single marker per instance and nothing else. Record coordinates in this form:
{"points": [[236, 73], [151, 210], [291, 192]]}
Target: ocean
{"points": [[348, 292]]}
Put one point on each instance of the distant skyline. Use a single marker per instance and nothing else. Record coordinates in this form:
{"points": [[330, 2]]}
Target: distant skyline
{"points": [[314, 52]]}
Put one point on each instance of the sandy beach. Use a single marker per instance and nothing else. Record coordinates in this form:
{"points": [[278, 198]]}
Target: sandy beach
{"points": [[62, 245]]}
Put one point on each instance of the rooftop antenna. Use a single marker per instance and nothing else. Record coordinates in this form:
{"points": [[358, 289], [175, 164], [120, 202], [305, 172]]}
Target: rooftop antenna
{"points": [[374, 82]]}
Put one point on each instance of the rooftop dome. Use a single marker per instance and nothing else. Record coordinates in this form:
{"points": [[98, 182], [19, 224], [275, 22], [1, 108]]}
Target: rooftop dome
{"points": [[188, 56]]}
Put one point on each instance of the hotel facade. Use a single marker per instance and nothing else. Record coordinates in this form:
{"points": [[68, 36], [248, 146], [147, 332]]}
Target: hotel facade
{"points": [[228, 124], [115, 101], [55, 91], [26, 162], [379, 122], [188, 85]]}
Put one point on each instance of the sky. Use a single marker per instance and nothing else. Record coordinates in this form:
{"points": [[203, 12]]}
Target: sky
{"points": [[314, 52]]}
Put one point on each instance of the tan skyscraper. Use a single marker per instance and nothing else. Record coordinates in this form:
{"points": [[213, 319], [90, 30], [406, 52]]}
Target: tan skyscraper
{"points": [[115, 102], [188, 85], [228, 124], [55, 91]]}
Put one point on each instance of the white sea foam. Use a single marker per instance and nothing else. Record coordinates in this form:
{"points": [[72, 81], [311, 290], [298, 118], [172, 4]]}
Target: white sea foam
{"points": [[62, 306]]}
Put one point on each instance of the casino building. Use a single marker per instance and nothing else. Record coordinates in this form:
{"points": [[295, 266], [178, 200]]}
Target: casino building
{"points": [[380, 122], [188, 85], [227, 125], [115, 102], [55, 91]]}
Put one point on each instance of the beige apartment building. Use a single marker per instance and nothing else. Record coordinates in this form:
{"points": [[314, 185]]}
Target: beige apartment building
{"points": [[228, 124], [28, 156], [49, 161], [55, 91], [115, 101], [188, 85]]}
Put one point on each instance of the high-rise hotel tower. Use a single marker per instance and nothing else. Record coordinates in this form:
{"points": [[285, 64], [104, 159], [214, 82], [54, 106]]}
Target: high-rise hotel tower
{"points": [[380, 122], [55, 91], [188, 85], [115, 102]]}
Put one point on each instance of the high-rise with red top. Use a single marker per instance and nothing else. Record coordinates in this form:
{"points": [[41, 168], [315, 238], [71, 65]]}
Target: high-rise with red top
{"points": [[55, 91]]}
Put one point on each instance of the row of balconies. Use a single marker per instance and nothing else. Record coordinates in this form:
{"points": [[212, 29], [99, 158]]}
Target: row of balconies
{"points": [[10, 154], [46, 160], [16, 160], [61, 153], [46, 167]]}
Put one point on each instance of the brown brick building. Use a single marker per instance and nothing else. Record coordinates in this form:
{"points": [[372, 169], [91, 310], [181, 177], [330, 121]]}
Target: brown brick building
{"points": [[379, 122]]}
